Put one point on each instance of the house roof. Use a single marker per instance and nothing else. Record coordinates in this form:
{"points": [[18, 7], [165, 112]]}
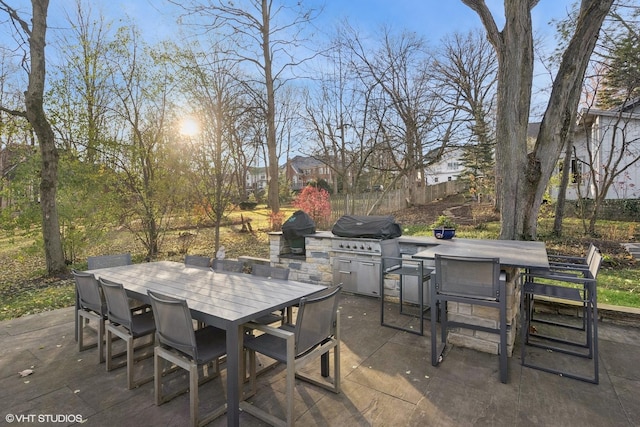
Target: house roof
{"points": [[299, 162]]}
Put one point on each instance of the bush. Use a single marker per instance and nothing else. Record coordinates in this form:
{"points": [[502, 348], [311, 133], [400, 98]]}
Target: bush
{"points": [[315, 202]]}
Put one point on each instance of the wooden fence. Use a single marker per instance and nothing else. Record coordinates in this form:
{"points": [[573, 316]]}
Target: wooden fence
{"points": [[378, 203]]}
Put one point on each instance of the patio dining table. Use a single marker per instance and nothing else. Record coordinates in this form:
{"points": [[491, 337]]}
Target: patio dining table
{"points": [[224, 300], [512, 253]]}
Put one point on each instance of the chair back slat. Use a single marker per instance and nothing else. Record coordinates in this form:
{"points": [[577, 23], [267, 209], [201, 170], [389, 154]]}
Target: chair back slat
{"points": [[228, 265], [197, 260], [594, 264], [470, 277], [89, 293], [316, 320], [174, 324], [263, 270], [105, 261], [117, 303]]}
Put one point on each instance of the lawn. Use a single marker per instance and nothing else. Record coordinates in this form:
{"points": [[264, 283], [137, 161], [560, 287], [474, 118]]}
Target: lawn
{"points": [[24, 289]]}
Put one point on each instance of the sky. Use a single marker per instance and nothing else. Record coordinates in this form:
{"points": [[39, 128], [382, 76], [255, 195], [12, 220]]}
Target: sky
{"points": [[432, 18]]}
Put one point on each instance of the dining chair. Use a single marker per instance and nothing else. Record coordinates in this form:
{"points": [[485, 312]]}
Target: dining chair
{"points": [[469, 280], [405, 272], [228, 265], [262, 270], [90, 306], [197, 261], [572, 266], [190, 350], [105, 261], [315, 333], [562, 337], [126, 325]]}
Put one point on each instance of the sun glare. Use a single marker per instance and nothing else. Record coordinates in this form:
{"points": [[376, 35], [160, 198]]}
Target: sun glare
{"points": [[189, 127]]}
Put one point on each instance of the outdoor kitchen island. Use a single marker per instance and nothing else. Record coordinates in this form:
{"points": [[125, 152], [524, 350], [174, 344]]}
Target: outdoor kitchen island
{"points": [[326, 259]]}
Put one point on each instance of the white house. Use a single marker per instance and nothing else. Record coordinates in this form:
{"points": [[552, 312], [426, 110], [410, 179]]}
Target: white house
{"points": [[613, 138], [447, 168]]}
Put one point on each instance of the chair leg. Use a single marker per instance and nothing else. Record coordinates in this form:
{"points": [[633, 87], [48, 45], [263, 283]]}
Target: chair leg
{"points": [[130, 383], [291, 379], [193, 394], [157, 375]]}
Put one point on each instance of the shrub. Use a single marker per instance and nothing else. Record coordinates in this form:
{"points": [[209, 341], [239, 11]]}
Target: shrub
{"points": [[315, 202]]}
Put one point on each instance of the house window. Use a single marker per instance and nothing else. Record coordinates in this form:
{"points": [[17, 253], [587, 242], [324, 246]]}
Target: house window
{"points": [[435, 179], [452, 166], [449, 178]]}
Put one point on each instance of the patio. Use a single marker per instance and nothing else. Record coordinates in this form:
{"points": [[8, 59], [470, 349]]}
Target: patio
{"points": [[387, 380]]}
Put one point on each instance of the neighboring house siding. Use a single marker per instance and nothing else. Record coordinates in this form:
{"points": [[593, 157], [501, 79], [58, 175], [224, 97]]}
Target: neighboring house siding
{"points": [[448, 168], [598, 129]]}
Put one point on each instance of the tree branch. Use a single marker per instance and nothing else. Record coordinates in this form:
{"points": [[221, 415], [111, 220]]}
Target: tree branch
{"points": [[13, 112]]}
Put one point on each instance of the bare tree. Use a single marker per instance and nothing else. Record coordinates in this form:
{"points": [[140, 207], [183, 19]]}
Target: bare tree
{"points": [[35, 114], [466, 72], [215, 153], [406, 112], [523, 177], [82, 90], [266, 35], [337, 116]]}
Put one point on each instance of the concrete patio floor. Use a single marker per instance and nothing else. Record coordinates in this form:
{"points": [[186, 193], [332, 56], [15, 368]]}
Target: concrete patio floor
{"points": [[387, 380]]}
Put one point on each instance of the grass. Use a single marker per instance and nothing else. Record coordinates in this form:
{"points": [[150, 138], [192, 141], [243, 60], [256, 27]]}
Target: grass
{"points": [[24, 289]]}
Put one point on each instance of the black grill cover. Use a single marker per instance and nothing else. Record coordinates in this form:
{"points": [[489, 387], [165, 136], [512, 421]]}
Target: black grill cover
{"points": [[298, 225], [373, 227]]}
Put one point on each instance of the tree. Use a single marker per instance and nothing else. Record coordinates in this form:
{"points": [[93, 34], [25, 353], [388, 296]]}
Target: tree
{"points": [[139, 151], [267, 36], [405, 113], [35, 114], [466, 72], [523, 177], [214, 154]]}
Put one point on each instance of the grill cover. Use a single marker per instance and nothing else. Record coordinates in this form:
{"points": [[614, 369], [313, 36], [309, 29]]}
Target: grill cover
{"points": [[298, 225], [373, 227]]}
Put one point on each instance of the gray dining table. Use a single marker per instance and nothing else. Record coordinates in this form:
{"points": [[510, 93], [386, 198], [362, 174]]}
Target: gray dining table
{"points": [[224, 300], [512, 253]]}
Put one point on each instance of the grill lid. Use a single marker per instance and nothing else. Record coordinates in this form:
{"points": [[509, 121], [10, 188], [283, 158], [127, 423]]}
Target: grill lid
{"points": [[299, 224], [373, 227]]}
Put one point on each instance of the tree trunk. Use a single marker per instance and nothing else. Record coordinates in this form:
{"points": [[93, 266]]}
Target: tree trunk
{"points": [[562, 190], [514, 48], [557, 127], [272, 143], [521, 178], [46, 140]]}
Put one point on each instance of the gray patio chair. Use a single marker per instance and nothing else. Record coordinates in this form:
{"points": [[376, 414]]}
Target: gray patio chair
{"points": [[316, 333], [262, 270], [566, 262], [197, 261], [469, 280], [105, 261], [228, 265], [126, 325], [571, 266], [90, 306], [569, 289], [180, 345]]}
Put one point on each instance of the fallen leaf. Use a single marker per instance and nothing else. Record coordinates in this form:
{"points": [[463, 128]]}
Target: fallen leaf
{"points": [[25, 372]]}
